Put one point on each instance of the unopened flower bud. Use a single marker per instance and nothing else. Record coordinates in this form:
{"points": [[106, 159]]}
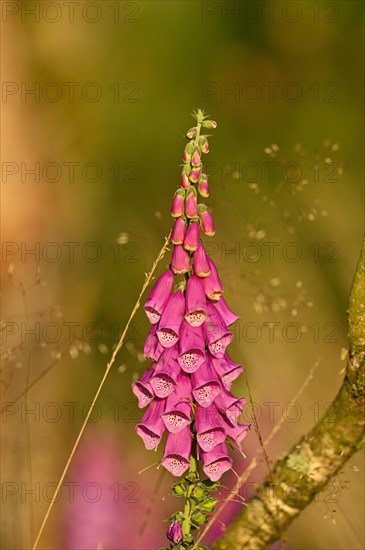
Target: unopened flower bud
{"points": [[177, 208], [204, 144], [180, 260], [195, 174], [191, 133], [209, 124], [185, 183], [203, 186], [206, 220], [191, 240], [191, 205], [195, 159], [188, 151], [174, 532], [178, 231]]}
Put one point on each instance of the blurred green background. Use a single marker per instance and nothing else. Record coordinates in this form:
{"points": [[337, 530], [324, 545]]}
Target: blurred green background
{"points": [[114, 85]]}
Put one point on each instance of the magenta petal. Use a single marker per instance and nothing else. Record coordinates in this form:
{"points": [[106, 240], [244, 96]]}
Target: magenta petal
{"points": [[178, 406], [207, 223], [177, 208], [206, 385], [229, 406], [152, 348], [225, 312], [171, 319], [192, 347], [191, 240], [212, 284], [151, 426], [227, 370], [209, 427], [216, 462], [142, 389], [180, 262], [178, 231], [159, 295], [176, 457], [167, 370], [216, 332], [200, 261], [195, 302], [237, 433]]}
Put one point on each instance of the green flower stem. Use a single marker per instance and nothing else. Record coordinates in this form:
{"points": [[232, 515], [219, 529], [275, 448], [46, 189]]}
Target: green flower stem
{"points": [[186, 525]]}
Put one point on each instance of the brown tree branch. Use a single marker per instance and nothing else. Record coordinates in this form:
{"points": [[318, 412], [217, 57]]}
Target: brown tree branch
{"points": [[308, 467]]}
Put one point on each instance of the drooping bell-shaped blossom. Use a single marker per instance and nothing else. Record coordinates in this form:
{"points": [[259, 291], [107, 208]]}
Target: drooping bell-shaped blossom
{"points": [[177, 413], [209, 427], [166, 372], [180, 262], [229, 406], [191, 348], [228, 316], [176, 457], [195, 302], [204, 144], [226, 369], [201, 263], [142, 388], [203, 186], [191, 240], [212, 284], [217, 335], [185, 182], [152, 347], [206, 384], [188, 151], [195, 174], [178, 231], [216, 462], [195, 159], [171, 319], [174, 532], [151, 427], [177, 208], [191, 205], [158, 297], [206, 221], [236, 433]]}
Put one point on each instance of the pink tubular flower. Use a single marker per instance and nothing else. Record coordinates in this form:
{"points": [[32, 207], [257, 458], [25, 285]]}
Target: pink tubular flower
{"points": [[191, 205], [176, 457], [152, 348], [216, 462], [217, 334], [203, 186], [178, 231], [174, 532], [212, 284], [195, 302], [192, 348], [142, 389], [177, 208], [225, 312], [206, 385], [163, 380], [195, 159], [178, 405], [171, 319], [180, 260], [209, 427], [237, 433], [227, 370], [185, 183], [201, 263], [158, 297], [206, 221], [229, 406], [151, 426], [195, 174], [191, 240]]}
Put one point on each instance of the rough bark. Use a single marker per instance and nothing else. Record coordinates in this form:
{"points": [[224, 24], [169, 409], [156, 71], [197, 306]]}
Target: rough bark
{"points": [[311, 463]]}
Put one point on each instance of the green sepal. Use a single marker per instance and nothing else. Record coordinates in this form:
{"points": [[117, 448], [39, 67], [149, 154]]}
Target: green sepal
{"points": [[208, 504], [178, 489]]}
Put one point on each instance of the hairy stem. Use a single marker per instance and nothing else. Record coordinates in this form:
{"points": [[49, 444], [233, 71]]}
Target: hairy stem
{"points": [[308, 467]]}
